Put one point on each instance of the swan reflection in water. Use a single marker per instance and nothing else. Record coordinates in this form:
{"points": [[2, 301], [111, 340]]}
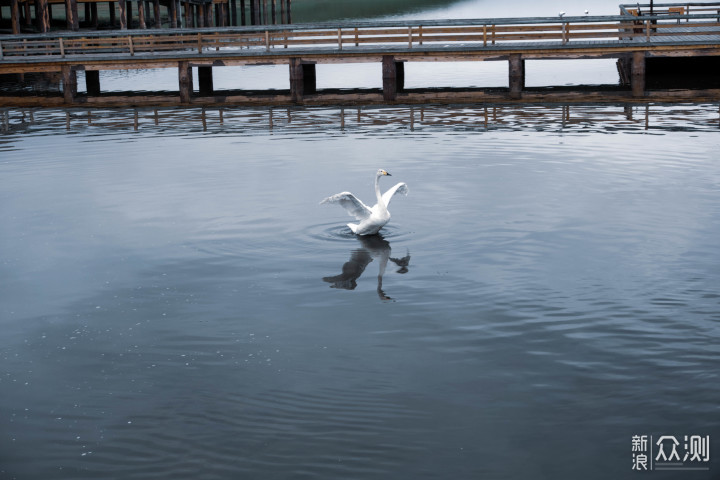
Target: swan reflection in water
{"points": [[372, 247]]}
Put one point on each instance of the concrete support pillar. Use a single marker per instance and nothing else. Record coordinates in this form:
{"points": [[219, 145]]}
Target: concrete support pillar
{"points": [[205, 79], [393, 74], [186, 81], [69, 79], [92, 82], [303, 79], [637, 78], [517, 75]]}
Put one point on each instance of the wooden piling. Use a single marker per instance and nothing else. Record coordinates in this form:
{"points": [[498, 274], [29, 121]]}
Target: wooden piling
{"points": [[15, 16], [69, 79], [393, 75], [173, 14], [243, 20], [141, 14], [208, 10], [185, 80], [43, 16], [111, 8], [637, 79], [303, 79], [258, 12], [122, 8], [94, 19], [517, 75], [28, 14], [156, 12], [233, 13], [92, 82]]}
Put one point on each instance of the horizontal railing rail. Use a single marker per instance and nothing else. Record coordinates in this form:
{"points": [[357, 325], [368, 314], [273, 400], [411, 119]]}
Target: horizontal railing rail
{"points": [[463, 34]]}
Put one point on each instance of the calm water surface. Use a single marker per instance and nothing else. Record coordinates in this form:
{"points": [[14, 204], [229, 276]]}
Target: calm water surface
{"points": [[175, 303]]}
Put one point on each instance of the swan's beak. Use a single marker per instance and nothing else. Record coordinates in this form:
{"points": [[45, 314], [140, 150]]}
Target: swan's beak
{"points": [[387, 173]]}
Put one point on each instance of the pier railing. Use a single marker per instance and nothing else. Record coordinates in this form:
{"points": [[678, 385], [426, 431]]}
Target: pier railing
{"points": [[686, 8], [364, 37]]}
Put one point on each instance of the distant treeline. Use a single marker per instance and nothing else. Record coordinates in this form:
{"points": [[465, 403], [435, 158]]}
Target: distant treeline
{"points": [[328, 10]]}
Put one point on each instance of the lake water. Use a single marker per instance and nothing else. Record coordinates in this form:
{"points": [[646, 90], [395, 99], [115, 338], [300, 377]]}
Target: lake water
{"points": [[175, 302]]}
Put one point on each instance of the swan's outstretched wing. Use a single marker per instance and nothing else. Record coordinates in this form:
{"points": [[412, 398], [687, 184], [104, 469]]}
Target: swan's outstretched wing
{"points": [[351, 203], [398, 188]]}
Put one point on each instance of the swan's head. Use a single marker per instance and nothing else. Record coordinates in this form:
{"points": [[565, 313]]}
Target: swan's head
{"points": [[382, 172]]}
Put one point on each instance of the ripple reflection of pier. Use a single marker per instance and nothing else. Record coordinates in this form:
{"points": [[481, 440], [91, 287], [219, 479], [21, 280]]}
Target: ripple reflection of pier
{"points": [[511, 117]]}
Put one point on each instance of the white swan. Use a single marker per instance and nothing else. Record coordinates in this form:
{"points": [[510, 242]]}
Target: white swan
{"points": [[371, 219]]}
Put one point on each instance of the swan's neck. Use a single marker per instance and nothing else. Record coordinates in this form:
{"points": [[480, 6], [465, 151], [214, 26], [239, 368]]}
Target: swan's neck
{"points": [[377, 191]]}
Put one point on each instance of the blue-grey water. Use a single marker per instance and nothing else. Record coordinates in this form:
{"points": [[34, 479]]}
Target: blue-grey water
{"points": [[175, 303]]}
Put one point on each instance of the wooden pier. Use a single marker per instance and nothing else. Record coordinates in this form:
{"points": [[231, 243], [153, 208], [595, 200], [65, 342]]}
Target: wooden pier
{"points": [[633, 38], [42, 16]]}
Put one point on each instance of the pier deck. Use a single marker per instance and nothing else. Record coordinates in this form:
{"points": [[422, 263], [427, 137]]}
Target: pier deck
{"points": [[631, 39]]}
